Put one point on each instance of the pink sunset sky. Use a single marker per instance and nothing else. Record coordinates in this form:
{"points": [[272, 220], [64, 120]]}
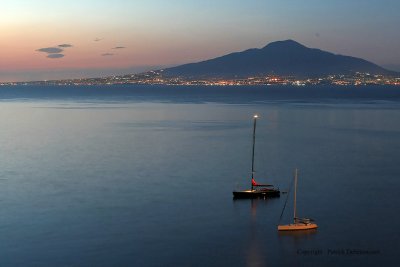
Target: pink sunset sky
{"points": [[100, 38]]}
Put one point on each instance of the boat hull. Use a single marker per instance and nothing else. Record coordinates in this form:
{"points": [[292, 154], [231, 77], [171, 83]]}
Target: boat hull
{"points": [[297, 227], [269, 193]]}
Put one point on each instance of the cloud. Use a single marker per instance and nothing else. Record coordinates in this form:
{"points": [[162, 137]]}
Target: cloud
{"points": [[55, 55], [107, 54], [317, 34], [54, 51], [119, 47], [98, 39], [50, 50], [65, 45]]}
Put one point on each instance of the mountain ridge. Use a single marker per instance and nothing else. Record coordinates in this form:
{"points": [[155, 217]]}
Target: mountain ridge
{"points": [[286, 57]]}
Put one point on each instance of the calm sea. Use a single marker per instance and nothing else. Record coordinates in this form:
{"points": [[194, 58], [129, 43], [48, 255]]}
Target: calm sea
{"points": [[143, 175]]}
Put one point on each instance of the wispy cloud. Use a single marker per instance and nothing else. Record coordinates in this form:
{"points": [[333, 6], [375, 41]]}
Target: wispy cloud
{"points": [[55, 55], [50, 50], [107, 54], [119, 47], [98, 39], [65, 45]]}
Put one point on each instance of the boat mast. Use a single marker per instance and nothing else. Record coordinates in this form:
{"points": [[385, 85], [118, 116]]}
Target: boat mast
{"points": [[295, 190], [254, 142]]}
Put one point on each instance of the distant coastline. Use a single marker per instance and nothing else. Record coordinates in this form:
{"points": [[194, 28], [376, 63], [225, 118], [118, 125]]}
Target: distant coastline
{"points": [[157, 78]]}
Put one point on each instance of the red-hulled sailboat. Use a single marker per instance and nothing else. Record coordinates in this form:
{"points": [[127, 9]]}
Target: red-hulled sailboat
{"points": [[257, 190]]}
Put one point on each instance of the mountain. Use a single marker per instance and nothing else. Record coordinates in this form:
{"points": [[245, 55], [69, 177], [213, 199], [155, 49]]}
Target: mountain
{"points": [[288, 58]]}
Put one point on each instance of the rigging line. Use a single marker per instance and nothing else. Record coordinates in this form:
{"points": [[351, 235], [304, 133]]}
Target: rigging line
{"points": [[287, 197]]}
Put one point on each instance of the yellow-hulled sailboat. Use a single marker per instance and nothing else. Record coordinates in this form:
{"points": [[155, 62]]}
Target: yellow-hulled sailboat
{"points": [[298, 223]]}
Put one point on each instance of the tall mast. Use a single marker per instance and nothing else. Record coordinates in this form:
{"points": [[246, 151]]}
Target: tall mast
{"points": [[254, 142], [295, 190]]}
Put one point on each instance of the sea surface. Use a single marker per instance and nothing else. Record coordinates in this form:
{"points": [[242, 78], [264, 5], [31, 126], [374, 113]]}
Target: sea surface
{"points": [[143, 175]]}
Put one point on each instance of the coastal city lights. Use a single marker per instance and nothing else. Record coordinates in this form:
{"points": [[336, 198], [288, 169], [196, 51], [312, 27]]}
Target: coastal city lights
{"points": [[157, 78]]}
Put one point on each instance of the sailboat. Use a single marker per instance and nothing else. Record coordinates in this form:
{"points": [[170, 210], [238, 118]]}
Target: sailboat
{"points": [[298, 223], [257, 190]]}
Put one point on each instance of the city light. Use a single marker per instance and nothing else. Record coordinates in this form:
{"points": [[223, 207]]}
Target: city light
{"points": [[158, 78]]}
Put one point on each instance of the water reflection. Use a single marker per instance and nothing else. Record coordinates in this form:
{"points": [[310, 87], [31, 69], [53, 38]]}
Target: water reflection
{"points": [[298, 234], [291, 243], [255, 204], [255, 249]]}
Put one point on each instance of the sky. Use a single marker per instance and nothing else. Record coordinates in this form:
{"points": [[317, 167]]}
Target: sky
{"points": [[58, 39]]}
